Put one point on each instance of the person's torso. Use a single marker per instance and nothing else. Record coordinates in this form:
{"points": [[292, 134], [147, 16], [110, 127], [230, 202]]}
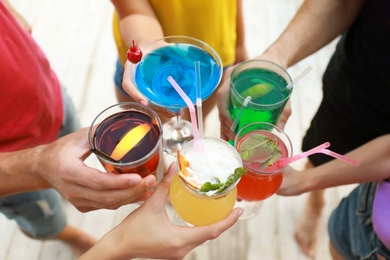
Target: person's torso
{"points": [[213, 22], [31, 104], [357, 81]]}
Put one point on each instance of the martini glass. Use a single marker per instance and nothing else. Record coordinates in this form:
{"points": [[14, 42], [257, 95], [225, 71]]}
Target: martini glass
{"points": [[176, 56]]}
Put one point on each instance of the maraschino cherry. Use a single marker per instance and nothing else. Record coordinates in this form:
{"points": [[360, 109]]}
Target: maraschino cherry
{"points": [[134, 54]]}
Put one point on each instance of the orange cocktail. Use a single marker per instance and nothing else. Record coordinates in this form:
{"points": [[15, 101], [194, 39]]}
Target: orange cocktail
{"points": [[216, 161]]}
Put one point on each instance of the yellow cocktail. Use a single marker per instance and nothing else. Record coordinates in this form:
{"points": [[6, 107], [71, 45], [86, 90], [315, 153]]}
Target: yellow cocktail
{"points": [[217, 160]]}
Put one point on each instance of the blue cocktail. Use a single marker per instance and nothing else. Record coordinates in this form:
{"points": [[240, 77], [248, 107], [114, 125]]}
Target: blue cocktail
{"points": [[176, 56]]}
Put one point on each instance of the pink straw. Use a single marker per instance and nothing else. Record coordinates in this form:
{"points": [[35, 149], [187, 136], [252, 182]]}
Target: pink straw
{"points": [[318, 149], [340, 157], [190, 107]]}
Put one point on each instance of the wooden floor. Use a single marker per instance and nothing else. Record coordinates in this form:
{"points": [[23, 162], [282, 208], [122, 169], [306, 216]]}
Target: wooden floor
{"points": [[76, 36]]}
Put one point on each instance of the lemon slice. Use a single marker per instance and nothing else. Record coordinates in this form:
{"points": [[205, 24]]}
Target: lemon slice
{"points": [[257, 90], [186, 173], [131, 139]]}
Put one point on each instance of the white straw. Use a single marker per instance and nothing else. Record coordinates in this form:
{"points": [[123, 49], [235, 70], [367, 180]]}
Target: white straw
{"points": [[199, 98], [239, 114], [295, 81]]}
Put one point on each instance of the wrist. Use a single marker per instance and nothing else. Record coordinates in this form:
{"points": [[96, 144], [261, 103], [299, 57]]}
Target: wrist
{"points": [[112, 246], [20, 170], [39, 158]]}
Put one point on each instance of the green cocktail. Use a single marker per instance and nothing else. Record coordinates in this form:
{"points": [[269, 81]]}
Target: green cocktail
{"points": [[265, 82]]}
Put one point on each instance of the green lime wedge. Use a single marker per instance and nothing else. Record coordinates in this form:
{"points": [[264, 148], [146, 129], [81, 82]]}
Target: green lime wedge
{"points": [[257, 90]]}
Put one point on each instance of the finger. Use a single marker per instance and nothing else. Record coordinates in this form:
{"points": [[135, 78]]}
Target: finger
{"points": [[108, 199], [158, 198], [203, 233], [129, 87], [163, 186], [226, 223], [172, 170], [286, 113], [97, 180]]}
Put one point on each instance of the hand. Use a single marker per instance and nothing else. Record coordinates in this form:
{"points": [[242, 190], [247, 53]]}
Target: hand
{"points": [[149, 233], [286, 113], [87, 188], [241, 54], [292, 182], [129, 87], [223, 103]]}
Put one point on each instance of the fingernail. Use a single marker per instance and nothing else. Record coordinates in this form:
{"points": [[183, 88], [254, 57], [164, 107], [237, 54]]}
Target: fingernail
{"points": [[135, 179], [143, 102]]}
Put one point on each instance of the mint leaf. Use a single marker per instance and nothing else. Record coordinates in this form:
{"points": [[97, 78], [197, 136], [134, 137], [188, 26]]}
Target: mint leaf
{"points": [[208, 186], [219, 186], [238, 173], [261, 149]]}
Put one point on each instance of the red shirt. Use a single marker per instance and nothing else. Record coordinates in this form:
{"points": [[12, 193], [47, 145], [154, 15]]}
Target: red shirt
{"points": [[31, 109]]}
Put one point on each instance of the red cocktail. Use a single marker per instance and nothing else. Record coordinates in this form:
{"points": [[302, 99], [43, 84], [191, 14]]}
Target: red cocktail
{"points": [[261, 181], [260, 146]]}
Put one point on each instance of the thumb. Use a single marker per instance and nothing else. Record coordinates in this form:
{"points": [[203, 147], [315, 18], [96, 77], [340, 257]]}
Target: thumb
{"points": [[201, 233], [163, 187]]}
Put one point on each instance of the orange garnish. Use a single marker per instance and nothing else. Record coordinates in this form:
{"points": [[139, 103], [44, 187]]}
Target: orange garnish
{"points": [[186, 173], [131, 139], [183, 163]]}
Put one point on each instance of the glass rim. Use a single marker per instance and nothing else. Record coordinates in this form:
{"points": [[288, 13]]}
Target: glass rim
{"points": [[224, 192], [251, 103], [207, 47], [134, 105]]}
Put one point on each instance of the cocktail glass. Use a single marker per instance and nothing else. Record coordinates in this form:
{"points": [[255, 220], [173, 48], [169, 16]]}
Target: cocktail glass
{"points": [[176, 56], [260, 145], [127, 138], [266, 83], [217, 158]]}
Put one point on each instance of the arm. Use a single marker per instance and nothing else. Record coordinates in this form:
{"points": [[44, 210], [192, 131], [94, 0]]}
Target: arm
{"points": [[374, 158], [149, 233], [315, 24], [241, 53], [22, 22], [60, 165], [138, 22]]}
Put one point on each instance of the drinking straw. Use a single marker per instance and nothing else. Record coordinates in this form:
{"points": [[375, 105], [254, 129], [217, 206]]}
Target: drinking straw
{"points": [[190, 107], [285, 161], [340, 157], [295, 81], [199, 98], [318, 149], [239, 114], [104, 155]]}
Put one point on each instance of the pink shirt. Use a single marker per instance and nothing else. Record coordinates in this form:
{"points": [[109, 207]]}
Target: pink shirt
{"points": [[31, 109], [381, 212]]}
